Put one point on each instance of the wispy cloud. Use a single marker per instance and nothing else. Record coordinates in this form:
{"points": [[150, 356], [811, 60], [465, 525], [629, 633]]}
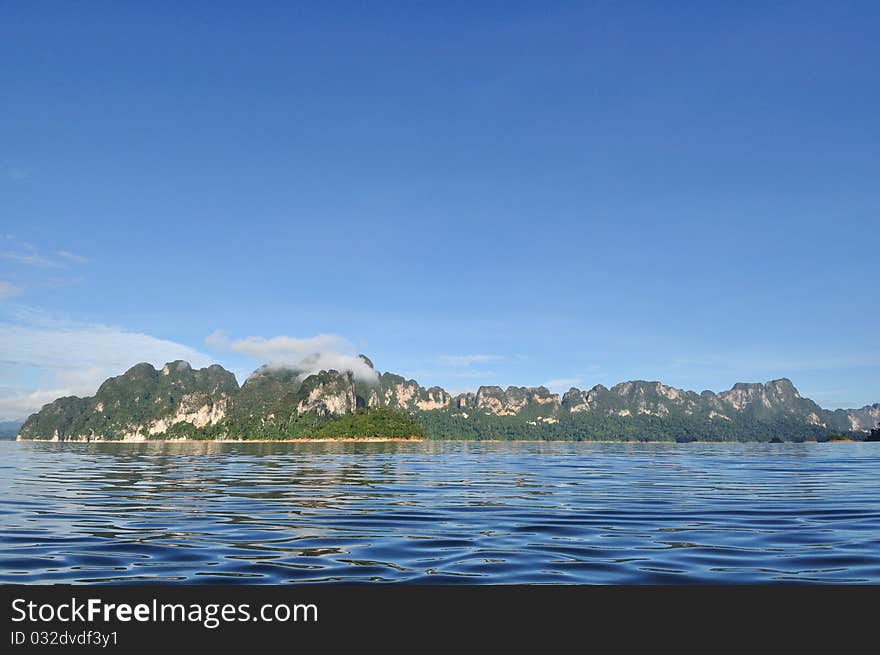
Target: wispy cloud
{"points": [[67, 346], [20, 403], [467, 360], [424, 376], [29, 259], [8, 290], [72, 256], [60, 282], [307, 354], [563, 384], [752, 362], [27, 254]]}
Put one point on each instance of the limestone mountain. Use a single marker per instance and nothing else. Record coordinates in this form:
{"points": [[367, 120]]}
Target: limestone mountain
{"points": [[276, 402], [862, 419], [140, 402]]}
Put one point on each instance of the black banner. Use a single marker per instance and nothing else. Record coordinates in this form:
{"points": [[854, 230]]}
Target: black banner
{"points": [[241, 618]]}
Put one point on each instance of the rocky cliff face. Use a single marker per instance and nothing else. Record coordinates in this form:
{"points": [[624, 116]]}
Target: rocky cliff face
{"points": [[753, 401], [396, 392], [773, 394], [264, 389], [649, 398], [141, 402], [144, 402], [863, 419], [515, 400], [771, 400], [328, 393], [576, 401]]}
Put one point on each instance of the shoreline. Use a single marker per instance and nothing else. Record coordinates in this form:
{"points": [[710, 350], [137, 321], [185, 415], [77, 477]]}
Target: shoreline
{"points": [[417, 440], [305, 440], [186, 440]]}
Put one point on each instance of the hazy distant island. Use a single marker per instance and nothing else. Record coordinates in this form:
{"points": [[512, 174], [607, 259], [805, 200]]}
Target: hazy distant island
{"points": [[9, 429], [274, 403]]}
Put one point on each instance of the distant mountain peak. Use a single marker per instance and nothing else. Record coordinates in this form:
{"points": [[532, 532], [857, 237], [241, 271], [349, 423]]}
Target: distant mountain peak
{"points": [[177, 366]]}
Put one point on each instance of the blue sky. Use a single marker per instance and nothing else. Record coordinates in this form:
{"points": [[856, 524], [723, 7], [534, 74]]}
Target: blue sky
{"points": [[470, 193]]}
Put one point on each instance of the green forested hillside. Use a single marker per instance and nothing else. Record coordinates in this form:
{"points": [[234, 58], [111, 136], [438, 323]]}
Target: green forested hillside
{"points": [[283, 403]]}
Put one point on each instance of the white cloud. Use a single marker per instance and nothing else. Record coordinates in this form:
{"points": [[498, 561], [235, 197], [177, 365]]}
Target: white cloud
{"points": [[69, 358], [27, 254], [467, 360], [29, 259], [78, 346], [309, 354], [72, 256], [21, 403], [563, 384], [8, 290], [469, 374]]}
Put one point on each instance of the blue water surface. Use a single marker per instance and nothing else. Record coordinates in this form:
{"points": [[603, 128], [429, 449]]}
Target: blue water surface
{"points": [[439, 512]]}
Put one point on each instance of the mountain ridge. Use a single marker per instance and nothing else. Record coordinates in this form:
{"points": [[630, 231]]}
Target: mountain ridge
{"points": [[177, 402]]}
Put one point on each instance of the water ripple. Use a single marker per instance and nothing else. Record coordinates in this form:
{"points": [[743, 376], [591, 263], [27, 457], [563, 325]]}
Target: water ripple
{"points": [[440, 513]]}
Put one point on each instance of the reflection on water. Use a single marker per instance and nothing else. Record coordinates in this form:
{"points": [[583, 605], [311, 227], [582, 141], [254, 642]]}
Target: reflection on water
{"points": [[439, 512]]}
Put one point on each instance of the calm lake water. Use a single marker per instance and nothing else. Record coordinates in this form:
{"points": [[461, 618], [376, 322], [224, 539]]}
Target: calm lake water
{"points": [[440, 512]]}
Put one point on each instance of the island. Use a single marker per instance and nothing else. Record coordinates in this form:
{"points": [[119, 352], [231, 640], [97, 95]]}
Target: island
{"points": [[178, 402]]}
